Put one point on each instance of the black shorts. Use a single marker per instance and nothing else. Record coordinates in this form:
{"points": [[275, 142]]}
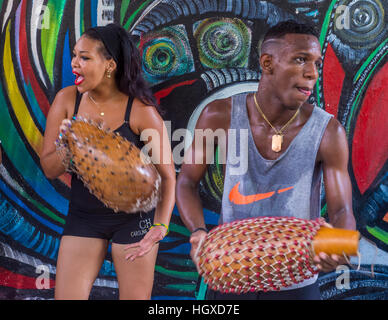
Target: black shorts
{"points": [[121, 228], [310, 292]]}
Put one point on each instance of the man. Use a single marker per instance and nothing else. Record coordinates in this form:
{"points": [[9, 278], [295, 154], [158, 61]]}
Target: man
{"points": [[290, 142]]}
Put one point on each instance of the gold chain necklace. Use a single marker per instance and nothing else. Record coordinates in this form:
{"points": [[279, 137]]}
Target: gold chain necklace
{"points": [[98, 106], [277, 139]]}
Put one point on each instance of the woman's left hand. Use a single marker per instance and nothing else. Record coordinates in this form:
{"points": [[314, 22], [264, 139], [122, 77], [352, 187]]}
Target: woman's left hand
{"points": [[141, 248]]}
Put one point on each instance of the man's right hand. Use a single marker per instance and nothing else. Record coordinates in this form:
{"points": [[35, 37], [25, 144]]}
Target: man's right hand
{"points": [[196, 240]]}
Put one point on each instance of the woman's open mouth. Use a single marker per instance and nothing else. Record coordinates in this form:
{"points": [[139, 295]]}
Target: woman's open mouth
{"points": [[79, 79]]}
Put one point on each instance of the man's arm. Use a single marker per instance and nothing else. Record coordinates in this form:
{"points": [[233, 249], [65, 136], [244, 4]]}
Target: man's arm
{"points": [[215, 116], [334, 152], [187, 191], [334, 155]]}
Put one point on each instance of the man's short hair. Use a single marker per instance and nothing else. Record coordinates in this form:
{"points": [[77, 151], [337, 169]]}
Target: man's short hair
{"points": [[290, 26]]}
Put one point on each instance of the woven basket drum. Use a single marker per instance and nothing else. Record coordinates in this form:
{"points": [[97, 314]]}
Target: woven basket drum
{"points": [[268, 253]]}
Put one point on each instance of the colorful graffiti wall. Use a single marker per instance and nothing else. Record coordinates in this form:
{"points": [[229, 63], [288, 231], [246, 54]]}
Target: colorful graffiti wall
{"points": [[193, 52]]}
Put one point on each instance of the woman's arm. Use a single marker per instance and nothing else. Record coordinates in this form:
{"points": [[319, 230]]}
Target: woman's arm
{"points": [[147, 122], [50, 161]]}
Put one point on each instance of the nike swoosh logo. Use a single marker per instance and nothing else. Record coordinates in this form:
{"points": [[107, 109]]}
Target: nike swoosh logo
{"points": [[237, 198]]}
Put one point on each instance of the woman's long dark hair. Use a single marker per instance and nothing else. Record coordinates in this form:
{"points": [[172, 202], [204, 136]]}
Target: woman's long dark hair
{"points": [[129, 76]]}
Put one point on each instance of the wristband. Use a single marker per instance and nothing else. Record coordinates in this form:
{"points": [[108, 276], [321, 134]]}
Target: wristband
{"points": [[201, 228], [162, 225]]}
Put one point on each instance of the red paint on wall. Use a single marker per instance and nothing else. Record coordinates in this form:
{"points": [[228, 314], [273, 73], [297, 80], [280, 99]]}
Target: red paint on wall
{"points": [[19, 281], [165, 92], [370, 143], [333, 77], [28, 71]]}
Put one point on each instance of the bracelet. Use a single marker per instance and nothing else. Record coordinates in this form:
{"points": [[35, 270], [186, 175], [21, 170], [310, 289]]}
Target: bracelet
{"points": [[161, 225], [201, 228]]}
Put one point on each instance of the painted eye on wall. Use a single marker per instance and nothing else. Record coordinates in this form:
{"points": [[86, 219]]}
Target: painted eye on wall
{"points": [[223, 42], [361, 24], [166, 53]]}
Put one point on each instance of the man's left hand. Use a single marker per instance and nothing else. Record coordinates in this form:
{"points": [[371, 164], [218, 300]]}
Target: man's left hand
{"points": [[327, 263]]}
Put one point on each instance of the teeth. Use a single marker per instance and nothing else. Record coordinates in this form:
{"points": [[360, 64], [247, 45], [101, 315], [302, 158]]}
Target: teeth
{"points": [[79, 79]]}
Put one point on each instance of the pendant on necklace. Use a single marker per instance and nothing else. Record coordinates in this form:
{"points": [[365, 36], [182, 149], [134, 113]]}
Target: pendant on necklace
{"points": [[102, 114], [277, 140]]}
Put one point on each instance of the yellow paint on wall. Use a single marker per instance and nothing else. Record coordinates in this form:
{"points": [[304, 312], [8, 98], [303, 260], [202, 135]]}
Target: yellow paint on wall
{"points": [[31, 132]]}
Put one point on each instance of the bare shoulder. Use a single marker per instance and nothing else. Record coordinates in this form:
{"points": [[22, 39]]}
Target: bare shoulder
{"points": [[334, 132], [216, 115], [64, 100], [141, 109], [143, 116], [139, 106], [67, 93], [334, 141]]}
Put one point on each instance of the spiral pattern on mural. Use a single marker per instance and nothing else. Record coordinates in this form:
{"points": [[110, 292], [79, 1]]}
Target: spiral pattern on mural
{"points": [[223, 43], [166, 53], [360, 23]]}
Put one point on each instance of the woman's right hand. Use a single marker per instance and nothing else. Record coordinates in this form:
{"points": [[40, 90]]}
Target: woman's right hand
{"points": [[64, 127], [61, 143]]}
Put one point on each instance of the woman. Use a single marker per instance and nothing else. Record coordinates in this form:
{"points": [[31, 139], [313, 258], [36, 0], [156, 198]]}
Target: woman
{"points": [[108, 89]]}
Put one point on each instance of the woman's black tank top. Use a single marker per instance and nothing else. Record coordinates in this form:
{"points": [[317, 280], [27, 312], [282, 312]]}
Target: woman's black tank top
{"points": [[81, 200]]}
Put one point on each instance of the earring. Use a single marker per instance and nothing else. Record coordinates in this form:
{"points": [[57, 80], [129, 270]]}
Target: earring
{"points": [[108, 74]]}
